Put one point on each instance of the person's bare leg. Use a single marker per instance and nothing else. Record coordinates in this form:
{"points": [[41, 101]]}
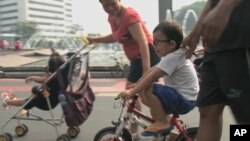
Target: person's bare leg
{"points": [[156, 109], [15, 102], [144, 100], [133, 127], [211, 119]]}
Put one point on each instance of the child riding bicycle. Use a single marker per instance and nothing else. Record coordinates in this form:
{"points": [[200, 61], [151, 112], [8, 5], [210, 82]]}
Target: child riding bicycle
{"points": [[179, 93]]}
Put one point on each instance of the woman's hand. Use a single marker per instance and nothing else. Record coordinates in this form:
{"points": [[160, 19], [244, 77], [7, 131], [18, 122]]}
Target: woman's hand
{"points": [[191, 42], [90, 40]]}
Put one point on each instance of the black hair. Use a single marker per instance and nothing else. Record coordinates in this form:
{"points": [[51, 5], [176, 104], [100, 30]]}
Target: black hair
{"points": [[55, 61], [172, 31]]}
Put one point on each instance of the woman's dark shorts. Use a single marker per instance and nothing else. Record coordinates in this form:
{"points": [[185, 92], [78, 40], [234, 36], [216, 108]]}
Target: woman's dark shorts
{"points": [[225, 79], [135, 70]]}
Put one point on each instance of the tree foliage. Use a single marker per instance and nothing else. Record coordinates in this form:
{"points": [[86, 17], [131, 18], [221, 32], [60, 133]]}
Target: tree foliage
{"points": [[75, 29], [26, 29]]}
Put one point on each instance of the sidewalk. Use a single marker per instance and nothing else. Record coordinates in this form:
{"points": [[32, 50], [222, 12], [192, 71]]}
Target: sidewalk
{"points": [[13, 58], [100, 85]]}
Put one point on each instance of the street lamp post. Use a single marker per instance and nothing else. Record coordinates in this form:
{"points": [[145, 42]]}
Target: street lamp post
{"points": [[164, 6]]}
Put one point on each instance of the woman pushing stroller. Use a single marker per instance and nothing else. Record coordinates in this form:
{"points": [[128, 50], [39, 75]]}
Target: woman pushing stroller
{"points": [[53, 86]]}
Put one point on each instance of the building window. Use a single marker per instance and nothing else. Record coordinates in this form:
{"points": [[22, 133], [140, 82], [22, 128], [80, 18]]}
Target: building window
{"points": [[46, 17], [9, 18], [69, 10], [68, 15], [8, 5], [45, 4], [9, 11], [44, 23], [7, 25], [43, 10]]}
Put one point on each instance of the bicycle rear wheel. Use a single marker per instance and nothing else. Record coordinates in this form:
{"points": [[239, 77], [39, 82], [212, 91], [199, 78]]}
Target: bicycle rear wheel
{"points": [[107, 134], [192, 132]]}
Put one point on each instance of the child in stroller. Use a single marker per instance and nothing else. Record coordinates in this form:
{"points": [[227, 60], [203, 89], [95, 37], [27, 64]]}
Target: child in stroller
{"points": [[60, 80], [53, 87]]}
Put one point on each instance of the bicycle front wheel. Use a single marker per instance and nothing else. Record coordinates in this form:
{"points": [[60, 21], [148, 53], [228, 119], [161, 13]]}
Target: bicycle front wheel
{"points": [[108, 134], [192, 132]]}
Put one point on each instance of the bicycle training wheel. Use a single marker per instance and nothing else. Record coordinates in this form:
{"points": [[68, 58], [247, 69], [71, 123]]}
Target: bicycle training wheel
{"points": [[192, 132], [107, 134]]}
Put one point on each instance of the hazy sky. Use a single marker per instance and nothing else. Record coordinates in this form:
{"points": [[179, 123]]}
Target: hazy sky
{"points": [[90, 15]]}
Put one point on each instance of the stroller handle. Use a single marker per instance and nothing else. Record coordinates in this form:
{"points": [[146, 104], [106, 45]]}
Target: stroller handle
{"points": [[83, 39]]}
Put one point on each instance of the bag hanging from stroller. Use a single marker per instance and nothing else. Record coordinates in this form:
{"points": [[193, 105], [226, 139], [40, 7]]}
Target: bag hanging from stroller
{"points": [[79, 106], [79, 103]]}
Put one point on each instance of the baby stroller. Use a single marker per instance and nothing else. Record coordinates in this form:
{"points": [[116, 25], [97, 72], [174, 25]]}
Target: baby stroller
{"points": [[77, 100]]}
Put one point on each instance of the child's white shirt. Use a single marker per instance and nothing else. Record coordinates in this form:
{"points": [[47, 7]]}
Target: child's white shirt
{"points": [[181, 74]]}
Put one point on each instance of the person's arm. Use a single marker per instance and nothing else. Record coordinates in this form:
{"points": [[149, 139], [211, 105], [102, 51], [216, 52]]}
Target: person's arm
{"points": [[37, 79], [229, 5], [216, 20], [193, 38], [142, 77], [149, 78], [102, 39], [139, 36]]}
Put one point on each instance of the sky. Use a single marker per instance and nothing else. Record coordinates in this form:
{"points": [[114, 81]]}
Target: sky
{"points": [[91, 16]]}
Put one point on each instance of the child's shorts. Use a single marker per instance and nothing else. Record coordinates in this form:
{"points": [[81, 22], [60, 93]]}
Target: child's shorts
{"points": [[171, 100]]}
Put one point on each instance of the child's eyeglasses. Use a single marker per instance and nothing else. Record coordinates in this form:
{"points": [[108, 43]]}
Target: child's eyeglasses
{"points": [[155, 42]]}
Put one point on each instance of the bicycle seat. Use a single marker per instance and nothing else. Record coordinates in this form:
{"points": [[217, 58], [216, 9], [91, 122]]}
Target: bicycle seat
{"points": [[163, 132]]}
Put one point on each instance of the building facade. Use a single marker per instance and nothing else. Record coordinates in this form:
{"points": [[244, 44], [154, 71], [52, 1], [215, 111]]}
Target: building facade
{"points": [[50, 15]]}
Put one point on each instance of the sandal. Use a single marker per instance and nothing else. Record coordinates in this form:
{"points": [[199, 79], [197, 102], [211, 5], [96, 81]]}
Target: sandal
{"points": [[153, 128], [6, 96]]}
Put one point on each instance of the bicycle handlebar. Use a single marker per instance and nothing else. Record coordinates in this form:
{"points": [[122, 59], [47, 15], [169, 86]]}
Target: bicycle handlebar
{"points": [[133, 97]]}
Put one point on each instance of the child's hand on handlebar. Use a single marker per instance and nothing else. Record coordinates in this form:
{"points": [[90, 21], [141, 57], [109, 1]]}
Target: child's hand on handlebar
{"points": [[126, 94]]}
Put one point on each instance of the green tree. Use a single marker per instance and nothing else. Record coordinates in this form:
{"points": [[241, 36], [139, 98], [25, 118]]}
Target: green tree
{"points": [[26, 29], [75, 29]]}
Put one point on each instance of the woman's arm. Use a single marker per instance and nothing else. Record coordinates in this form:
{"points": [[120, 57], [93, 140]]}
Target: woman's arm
{"points": [[103, 39], [217, 20], [193, 38], [139, 36]]}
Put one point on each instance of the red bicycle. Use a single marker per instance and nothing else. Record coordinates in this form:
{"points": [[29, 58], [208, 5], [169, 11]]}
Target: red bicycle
{"points": [[119, 132]]}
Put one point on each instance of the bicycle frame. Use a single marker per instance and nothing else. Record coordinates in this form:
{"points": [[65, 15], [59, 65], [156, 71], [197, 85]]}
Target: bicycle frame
{"points": [[134, 115]]}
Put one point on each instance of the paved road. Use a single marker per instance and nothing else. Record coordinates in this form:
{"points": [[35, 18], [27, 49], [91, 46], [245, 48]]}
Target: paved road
{"points": [[103, 113]]}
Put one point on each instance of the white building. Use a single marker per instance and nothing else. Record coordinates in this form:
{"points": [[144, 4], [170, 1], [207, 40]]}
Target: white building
{"points": [[51, 15]]}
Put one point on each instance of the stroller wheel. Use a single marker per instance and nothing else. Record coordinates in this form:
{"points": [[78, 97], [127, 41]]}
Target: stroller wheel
{"points": [[6, 137], [21, 130], [73, 132], [63, 137], [25, 127]]}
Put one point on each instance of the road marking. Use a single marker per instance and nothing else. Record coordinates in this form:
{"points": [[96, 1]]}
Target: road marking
{"points": [[106, 94]]}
